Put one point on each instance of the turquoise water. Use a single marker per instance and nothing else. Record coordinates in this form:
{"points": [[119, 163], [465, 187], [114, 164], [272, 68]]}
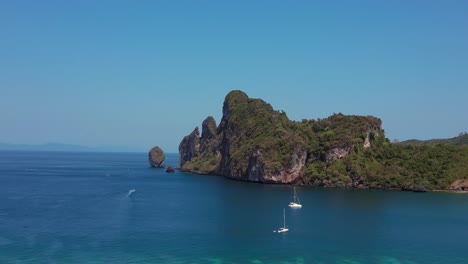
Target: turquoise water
{"points": [[75, 208]]}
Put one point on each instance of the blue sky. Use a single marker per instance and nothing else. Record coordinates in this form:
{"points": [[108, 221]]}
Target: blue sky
{"points": [[145, 73]]}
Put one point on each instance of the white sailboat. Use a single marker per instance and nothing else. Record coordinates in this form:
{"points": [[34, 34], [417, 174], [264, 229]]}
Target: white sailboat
{"points": [[283, 229], [295, 203]]}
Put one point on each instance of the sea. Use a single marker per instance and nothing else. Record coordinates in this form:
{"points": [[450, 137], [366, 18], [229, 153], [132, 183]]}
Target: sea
{"points": [[76, 207]]}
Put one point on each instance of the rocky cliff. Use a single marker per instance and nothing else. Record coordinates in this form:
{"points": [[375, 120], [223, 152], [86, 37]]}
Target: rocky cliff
{"points": [[189, 148], [253, 142]]}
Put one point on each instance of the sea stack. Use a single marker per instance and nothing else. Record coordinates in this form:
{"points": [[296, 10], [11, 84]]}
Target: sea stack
{"points": [[156, 157]]}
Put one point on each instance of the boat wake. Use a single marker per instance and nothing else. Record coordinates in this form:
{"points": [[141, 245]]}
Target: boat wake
{"points": [[130, 192]]}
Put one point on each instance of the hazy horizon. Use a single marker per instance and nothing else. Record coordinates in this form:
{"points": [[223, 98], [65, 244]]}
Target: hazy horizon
{"points": [[57, 146], [141, 74]]}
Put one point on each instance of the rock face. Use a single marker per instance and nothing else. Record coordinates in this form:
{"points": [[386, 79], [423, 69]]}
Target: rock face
{"points": [[258, 172], [459, 185], [156, 157], [253, 142], [189, 148], [338, 153]]}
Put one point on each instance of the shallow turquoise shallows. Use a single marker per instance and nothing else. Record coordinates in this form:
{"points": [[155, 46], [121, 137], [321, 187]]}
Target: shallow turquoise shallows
{"points": [[76, 208]]}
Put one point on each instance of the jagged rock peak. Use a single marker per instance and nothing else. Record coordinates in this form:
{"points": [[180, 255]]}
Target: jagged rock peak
{"points": [[195, 132], [208, 128], [156, 157], [189, 147]]}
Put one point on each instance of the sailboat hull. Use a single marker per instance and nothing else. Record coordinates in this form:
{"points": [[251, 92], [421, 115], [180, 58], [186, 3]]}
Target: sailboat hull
{"points": [[295, 205]]}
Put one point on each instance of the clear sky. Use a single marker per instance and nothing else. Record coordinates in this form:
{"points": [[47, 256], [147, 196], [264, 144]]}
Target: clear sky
{"points": [[145, 73]]}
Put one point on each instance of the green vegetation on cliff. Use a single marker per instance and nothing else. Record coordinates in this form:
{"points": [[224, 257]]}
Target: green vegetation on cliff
{"points": [[387, 165], [256, 143], [256, 126]]}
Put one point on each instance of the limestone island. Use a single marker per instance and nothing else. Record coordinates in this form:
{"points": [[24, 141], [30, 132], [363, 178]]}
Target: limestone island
{"points": [[256, 143], [156, 157]]}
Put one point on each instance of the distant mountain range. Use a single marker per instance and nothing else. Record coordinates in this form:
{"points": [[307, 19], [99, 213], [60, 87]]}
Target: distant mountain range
{"points": [[66, 147], [462, 139]]}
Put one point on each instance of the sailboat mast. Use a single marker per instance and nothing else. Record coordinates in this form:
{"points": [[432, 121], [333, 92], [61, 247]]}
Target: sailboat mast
{"points": [[296, 198], [298, 201], [284, 218]]}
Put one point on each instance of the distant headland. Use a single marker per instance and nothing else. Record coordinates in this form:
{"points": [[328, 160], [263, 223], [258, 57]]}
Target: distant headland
{"points": [[254, 142]]}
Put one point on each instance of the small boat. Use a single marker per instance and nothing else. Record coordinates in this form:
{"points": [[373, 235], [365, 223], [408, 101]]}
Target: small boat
{"points": [[131, 191], [283, 229], [295, 203]]}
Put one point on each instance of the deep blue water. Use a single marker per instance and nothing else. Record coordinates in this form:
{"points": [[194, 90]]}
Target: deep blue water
{"points": [[75, 208]]}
